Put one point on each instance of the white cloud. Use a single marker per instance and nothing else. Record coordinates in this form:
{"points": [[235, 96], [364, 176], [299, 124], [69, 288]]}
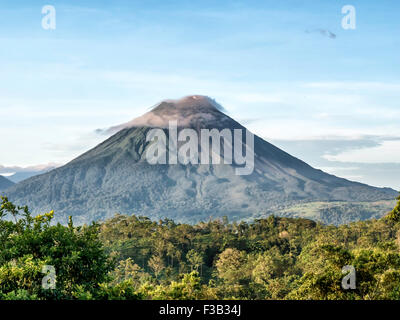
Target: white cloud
{"points": [[387, 152]]}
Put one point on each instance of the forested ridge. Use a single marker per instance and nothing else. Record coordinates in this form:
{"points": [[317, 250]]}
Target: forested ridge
{"points": [[133, 257]]}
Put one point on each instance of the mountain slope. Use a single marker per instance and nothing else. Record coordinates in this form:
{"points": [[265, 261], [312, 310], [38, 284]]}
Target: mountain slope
{"points": [[5, 183], [115, 177]]}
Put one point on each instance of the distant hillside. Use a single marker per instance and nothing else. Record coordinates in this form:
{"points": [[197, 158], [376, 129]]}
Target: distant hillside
{"points": [[23, 175], [115, 177], [334, 212], [5, 183]]}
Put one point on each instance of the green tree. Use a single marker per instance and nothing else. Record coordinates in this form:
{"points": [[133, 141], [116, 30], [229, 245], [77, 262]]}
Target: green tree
{"points": [[394, 215], [188, 288], [28, 243], [195, 259], [156, 263], [229, 265]]}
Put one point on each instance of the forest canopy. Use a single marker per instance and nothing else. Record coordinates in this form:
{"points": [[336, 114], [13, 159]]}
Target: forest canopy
{"points": [[133, 257]]}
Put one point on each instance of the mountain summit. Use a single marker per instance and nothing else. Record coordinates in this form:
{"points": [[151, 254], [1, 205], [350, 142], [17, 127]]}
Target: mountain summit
{"points": [[114, 177], [188, 112]]}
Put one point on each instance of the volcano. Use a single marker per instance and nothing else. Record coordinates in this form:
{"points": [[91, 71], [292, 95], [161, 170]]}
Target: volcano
{"points": [[114, 177]]}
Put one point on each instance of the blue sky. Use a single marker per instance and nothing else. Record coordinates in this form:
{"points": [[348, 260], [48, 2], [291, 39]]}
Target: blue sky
{"points": [[333, 102]]}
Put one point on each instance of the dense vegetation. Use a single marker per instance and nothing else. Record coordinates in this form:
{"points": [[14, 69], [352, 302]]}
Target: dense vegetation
{"points": [[334, 212], [130, 257]]}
